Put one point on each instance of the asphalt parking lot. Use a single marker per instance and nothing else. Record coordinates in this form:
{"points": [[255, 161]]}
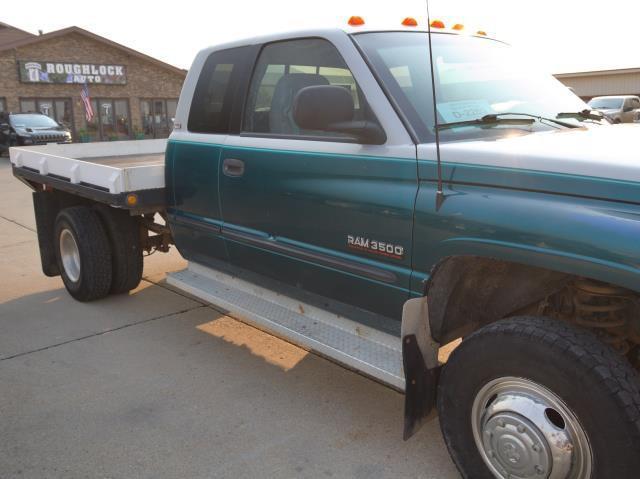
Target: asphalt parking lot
{"points": [[157, 384]]}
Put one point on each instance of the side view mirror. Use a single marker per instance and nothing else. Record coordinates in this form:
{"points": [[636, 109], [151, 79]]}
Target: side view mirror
{"points": [[4, 127], [330, 108]]}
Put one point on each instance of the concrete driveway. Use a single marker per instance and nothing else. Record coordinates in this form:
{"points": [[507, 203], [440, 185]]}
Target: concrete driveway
{"points": [[156, 384]]}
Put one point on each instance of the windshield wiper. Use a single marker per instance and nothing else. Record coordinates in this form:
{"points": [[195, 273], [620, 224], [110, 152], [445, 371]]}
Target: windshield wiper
{"points": [[487, 121], [585, 114], [493, 119]]}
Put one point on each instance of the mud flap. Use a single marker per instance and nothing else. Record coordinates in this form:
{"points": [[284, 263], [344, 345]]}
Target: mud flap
{"points": [[420, 360], [46, 207]]}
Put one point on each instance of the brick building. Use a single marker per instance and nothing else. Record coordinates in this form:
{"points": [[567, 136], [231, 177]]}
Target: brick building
{"points": [[132, 95]]}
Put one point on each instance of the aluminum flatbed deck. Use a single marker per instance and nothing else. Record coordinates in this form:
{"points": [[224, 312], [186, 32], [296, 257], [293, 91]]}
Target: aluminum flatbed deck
{"points": [[128, 161], [107, 172]]}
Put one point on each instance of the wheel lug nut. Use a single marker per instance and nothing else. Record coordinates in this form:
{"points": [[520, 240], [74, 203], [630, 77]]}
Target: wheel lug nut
{"points": [[536, 448], [539, 470], [520, 428], [501, 423]]}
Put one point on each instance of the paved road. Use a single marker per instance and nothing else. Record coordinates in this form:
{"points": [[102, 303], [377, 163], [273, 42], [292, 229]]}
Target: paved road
{"points": [[156, 384]]}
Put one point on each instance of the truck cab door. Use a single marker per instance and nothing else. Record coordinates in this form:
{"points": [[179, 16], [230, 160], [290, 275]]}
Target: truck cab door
{"points": [[193, 156], [317, 210]]}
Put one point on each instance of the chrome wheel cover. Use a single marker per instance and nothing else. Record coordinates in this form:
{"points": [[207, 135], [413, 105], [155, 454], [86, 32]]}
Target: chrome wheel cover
{"points": [[523, 430], [70, 255]]}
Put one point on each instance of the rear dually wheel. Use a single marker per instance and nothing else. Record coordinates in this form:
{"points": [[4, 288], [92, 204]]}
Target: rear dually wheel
{"points": [[83, 253]]}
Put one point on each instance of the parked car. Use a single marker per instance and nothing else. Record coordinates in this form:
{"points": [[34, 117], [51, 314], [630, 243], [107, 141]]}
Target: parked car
{"points": [[619, 109], [372, 195], [24, 129]]}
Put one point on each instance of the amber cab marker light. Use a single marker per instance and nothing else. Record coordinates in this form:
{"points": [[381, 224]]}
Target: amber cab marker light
{"points": [[437, 24], [356, 21], [458, 27], [410, 22], [482, 33]]}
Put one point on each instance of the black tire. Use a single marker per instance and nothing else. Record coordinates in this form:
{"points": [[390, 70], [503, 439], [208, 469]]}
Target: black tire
{"points": [[123, 231], [94, 278], [597, 384]]}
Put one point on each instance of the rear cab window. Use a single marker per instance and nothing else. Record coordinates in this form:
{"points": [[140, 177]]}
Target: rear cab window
{"points": [[216, 94]]}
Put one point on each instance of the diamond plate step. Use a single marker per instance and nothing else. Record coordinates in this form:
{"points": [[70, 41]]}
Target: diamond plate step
{"points": [[359, 347]]}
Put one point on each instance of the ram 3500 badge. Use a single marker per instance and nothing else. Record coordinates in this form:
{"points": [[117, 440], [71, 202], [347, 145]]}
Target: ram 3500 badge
{"points": [[361, 243]]}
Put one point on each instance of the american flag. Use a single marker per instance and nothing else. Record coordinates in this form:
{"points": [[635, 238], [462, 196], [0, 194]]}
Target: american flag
{"points": [[86, 99]]}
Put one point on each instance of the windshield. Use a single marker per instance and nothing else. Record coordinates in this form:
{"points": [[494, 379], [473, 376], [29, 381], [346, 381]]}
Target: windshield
{"points": [[473, 77], [606, 103], [32, 120]]}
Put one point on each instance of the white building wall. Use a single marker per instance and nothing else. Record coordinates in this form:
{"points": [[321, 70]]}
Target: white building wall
{"points": [[590, 85]]}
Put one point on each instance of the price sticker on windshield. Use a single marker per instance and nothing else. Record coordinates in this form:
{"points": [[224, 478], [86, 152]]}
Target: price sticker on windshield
{"points": [[464, 110]]}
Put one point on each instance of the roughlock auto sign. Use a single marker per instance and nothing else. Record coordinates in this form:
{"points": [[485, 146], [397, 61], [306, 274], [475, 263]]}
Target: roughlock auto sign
{"points": [[61, 72]]}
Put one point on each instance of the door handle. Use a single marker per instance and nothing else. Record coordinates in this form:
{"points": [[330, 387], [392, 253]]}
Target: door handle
{"points": [[232, 167]]}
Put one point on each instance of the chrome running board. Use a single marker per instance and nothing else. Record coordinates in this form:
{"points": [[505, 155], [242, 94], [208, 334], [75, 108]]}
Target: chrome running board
{"points": [[359, 347]]}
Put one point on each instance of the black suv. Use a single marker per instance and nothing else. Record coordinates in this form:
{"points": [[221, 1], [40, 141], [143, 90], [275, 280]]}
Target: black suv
{"points": [[21, 129]]}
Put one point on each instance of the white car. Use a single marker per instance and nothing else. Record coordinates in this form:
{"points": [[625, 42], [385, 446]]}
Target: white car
{"points": [[620, 109]]}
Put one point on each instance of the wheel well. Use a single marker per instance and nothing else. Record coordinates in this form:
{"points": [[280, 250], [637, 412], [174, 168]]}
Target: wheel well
{"points": [[467, 292]]}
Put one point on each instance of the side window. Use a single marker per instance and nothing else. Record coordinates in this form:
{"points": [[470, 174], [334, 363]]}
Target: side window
{"points": [[216, 90], [282, 70]]}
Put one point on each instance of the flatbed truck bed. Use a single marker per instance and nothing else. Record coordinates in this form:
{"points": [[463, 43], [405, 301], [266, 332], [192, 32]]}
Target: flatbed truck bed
{"points": [[100, 205], [122, 174]]}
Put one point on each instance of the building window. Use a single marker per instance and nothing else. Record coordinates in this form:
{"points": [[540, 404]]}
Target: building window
{"points": [[60, 109], [157, 117], [3, 105], [111, 120]]}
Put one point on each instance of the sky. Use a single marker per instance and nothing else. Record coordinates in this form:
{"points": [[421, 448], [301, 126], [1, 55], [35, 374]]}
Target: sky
{"points": [[559, 35]]}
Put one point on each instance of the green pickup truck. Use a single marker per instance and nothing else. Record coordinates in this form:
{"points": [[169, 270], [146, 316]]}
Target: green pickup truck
{"points": [[376, 195]]}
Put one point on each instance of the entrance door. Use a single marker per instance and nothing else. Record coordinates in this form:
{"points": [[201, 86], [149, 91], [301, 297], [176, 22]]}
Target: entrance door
{"points": [[63, 113], [157, 117], [111, 120], [316, 209]]}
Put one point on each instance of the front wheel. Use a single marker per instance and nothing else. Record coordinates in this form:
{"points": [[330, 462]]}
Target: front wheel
{"points": [[538, 398]]}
